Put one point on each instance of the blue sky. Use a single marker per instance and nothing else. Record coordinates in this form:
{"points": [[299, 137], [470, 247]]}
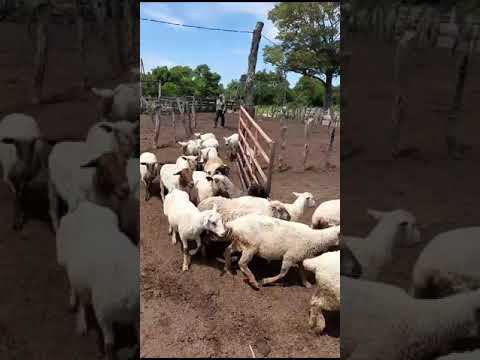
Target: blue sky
{"points": [[226, 53]]}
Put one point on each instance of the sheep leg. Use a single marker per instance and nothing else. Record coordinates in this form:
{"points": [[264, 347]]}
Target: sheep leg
{"points": [[108, 336], [227, 254], [246, 257], [204, 251], [162, 192], [73, 301], [303, 277], [199, 245], [18, 211], [186, 256], [174, 236], [81, 321], [53, 199], [286, 265]]}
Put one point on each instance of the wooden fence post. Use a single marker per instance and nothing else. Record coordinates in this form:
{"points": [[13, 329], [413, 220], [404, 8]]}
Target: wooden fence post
{"points": [[252, 63], [306, 149], [282, 164]]}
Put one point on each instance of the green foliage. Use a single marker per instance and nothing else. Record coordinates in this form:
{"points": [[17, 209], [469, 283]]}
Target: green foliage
{"points": [[182, 81], [309, 92], [310, 36]]}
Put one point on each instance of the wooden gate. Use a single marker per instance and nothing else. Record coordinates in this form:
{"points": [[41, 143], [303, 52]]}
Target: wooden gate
{"points": [[256, 155]]}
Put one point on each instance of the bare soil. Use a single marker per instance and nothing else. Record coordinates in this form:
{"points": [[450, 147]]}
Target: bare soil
{"points": [[204, 313]]}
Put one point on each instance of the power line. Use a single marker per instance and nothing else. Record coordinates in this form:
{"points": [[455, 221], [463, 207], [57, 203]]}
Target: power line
{"points": [[196, 27], [266, 38]]}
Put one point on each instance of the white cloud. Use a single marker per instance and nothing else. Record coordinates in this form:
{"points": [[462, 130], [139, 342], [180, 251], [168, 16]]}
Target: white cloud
{"points": [[159, 11], [152, 60]]}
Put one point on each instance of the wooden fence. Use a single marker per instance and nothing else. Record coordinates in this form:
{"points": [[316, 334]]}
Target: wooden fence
{"points": [[256, 154], [201, 104]]}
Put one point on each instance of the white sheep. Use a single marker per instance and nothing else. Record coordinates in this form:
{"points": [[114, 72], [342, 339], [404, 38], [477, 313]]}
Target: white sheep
{"points": [[210, 142], [23, 157], [185, 161], [15, 126], [448, 264], [95, 251], [326, 214], [327, 277], [381, 321], [208, 153], [275, 239], [203, 137], [232, 209], [120, 103], [149, 170], [232, 143], [188, 222], [302, 202], [215, 165], [190, 147], [121, 136], [171, 177], [395, 228]]}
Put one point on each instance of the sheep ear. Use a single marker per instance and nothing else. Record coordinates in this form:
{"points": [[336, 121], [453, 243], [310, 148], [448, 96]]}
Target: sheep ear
{"points": [[182, 143], [376, 214], [90, 164], [106, 127], [296, 194], [178, 172], [184, 157]]}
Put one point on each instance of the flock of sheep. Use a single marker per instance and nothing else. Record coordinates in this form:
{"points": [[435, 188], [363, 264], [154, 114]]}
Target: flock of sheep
{"points": [[437, 317], [202, 205], [97, 182]]}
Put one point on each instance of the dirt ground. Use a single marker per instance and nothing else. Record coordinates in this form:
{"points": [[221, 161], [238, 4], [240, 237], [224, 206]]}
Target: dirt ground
{"points": [[200, 312], [439, 191], [34, 320]]}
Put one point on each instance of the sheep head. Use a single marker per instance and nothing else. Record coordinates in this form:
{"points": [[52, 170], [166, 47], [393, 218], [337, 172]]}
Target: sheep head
{"points": [[213, 222], [110, 178], [408, 233]]}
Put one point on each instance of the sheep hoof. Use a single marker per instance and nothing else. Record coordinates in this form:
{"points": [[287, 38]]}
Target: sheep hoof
{"points": [[254, 285], [184, 268], [307, 285], [193, 252]]}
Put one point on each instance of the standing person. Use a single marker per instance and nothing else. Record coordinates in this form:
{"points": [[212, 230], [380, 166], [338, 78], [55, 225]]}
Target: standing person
{"points": [[221, 108]]}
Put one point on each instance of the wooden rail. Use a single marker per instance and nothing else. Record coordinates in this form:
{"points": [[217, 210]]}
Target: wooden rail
{"points": [[251, 136]]}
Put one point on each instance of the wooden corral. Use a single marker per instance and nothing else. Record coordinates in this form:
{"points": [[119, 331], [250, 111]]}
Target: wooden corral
{"points": [[256, 153]]}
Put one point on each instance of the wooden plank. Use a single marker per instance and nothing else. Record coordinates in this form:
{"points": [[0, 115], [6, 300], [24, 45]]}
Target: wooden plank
{"points": [[260, 170], [245, 160], [265, 136], [265, 156]]}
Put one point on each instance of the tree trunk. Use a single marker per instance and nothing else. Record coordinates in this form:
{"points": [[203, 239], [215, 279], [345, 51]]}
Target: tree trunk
{"points": [[252, 63], [328, 98], [41, 52]]}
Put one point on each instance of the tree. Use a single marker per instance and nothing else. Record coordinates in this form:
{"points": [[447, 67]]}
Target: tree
{"points": [[309, 92], [182, 81], [310, 36]]}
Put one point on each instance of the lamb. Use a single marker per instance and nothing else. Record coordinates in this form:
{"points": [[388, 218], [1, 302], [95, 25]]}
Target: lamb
{"points": [[208, 153], [171, 177], [23, 156], [188, 222], [232, 209], [90, 272], [275, 239], [121, 136], [210, 142], [326, 214], [298, 207], [190, 147], [327, 297], [448, 264], [395, 228], [120, 103], [215, 165], [206, 136], [232, 143], [187, 162], [149, 170], [71, 183], [381, 321], [208, 186]]}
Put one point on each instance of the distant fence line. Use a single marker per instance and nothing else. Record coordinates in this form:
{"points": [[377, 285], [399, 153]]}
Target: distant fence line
{"points": [[201, 104], [296, 113]]}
